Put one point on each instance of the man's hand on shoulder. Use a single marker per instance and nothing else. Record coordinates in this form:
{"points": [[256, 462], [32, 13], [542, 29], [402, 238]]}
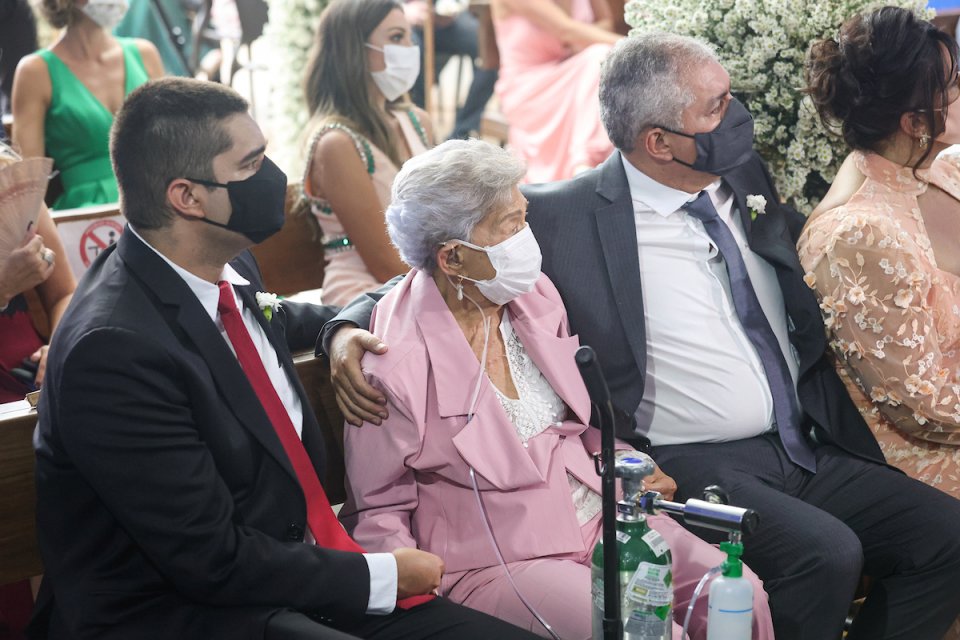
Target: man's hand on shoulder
{"points": [[357, 399], [418, 572]]}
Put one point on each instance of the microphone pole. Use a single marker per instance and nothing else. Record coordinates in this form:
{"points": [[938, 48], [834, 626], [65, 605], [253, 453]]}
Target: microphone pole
{"points": [[596, 384]]}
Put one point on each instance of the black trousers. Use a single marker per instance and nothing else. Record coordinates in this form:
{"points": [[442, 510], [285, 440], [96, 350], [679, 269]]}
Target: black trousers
{"points": [[819, 531], [438, 619]]}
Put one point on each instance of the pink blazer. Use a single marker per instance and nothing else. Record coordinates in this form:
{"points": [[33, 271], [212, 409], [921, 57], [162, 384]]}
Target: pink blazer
{"points": [[408, 480]]}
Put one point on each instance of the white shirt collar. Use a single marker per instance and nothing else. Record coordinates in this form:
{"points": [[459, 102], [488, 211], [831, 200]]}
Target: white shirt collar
{"points": [[657, 196], [207, 293]]}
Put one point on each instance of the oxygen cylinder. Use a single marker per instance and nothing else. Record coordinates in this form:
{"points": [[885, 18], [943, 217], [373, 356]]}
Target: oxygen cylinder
{"points": [[646, 581], [730, 614]]}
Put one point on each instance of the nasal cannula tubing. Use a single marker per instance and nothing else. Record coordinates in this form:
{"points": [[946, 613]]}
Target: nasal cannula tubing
{"points": [[473, 476]]}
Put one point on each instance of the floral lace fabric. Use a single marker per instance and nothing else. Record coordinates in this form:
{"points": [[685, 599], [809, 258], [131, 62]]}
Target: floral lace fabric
{"points": [[536, 409], [892, 316]]}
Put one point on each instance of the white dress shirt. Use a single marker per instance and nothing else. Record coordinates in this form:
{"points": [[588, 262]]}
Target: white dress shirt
{"points": [[704, 379], [382, 566]]}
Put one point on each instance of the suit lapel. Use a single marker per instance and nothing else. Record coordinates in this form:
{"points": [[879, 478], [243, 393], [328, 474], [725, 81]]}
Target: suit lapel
{"points": [[617, 231], [274, 330], [235, 389]]}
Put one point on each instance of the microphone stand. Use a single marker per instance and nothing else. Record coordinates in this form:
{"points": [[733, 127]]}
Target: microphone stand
{"points": [[596, 384]]}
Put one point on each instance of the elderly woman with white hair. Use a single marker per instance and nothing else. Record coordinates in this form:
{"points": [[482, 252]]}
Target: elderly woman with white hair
{"points": [[486, 405]]}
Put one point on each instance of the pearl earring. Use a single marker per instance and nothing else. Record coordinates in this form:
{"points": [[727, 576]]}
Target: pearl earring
{"points": [[460, 288]]}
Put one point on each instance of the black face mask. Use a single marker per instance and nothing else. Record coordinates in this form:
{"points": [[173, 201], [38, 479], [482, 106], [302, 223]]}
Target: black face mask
{"points": [[257, 202], [726, 147]]}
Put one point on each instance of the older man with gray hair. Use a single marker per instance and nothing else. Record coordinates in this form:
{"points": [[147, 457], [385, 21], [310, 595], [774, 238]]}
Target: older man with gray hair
{"points": [[676, 262]]}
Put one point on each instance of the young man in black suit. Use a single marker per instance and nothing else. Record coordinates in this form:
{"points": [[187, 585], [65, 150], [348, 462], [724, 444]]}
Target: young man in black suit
{"points": [[676, 261], [177, 456]]}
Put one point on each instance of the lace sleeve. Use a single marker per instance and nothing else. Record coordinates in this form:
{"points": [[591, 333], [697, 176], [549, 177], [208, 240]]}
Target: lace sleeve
{"points": [[875, 291]]}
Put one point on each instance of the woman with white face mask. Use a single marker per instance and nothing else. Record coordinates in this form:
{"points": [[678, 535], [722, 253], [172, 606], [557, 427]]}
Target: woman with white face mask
{"points": [[363, 128], [65, 97], [486, 404], [883, 254]]}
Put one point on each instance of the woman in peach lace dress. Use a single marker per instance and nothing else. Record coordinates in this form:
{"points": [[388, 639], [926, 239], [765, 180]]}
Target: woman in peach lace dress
{"points": [[550, 55], [886, 264]]}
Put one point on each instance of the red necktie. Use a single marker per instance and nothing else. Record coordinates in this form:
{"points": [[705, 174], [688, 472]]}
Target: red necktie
{"points": [[324, 525]]}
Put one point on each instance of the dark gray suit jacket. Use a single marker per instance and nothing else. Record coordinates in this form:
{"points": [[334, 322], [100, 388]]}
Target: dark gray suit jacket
{"points": [[586, 230]]}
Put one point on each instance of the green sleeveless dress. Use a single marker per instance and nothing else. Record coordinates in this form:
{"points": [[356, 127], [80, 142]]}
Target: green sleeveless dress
{"points": [[77, 131]]}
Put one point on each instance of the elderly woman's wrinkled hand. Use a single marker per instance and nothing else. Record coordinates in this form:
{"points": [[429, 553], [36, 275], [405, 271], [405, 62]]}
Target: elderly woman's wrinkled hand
{"points": [[27, 266], [358, 400]]}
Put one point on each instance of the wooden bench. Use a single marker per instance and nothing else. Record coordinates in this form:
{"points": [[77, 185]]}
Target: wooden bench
{"points": [[292, 260], [19, 553]]}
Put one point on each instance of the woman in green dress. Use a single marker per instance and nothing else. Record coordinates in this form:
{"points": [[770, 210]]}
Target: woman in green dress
{"points": [[65, 97]]}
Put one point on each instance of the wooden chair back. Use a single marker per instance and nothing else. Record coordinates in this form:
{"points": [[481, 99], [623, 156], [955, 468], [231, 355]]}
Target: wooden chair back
{"points": [[19, 554], [292, 260]]}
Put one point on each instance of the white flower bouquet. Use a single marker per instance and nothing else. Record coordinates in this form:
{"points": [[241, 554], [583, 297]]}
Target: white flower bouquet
{"points": [[289, 36], [763, 45]]}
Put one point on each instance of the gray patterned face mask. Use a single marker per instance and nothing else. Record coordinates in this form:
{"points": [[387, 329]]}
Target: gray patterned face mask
{"points": [[106, 13], [725, 148]]}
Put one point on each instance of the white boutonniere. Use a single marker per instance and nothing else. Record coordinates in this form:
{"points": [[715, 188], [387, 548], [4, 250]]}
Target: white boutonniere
{"points": [[757, 205], [268, 303]]}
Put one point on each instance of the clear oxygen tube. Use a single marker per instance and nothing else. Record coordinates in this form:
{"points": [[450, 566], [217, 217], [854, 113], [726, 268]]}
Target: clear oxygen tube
{"points": [[473, 476]]}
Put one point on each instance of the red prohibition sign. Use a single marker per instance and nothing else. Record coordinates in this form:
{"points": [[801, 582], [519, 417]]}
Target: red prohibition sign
{"points": [[97, 237]]}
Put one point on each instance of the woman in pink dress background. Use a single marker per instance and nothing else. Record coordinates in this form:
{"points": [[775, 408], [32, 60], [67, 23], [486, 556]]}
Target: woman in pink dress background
{"points": [[550, 55]]}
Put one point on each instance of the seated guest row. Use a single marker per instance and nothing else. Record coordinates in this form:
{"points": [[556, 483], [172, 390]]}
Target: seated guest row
{"points": [[193, 482]]}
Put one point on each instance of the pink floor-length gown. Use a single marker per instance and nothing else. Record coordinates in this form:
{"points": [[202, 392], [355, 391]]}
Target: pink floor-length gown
{"points": [[550, 97]]}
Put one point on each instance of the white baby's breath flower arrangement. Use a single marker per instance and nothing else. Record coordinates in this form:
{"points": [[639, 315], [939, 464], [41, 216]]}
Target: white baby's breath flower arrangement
{"points": [[763, 45], [289, 36]]}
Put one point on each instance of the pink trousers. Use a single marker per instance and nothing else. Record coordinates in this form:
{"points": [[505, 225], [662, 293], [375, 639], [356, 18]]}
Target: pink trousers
{"points": [[558, 588]]}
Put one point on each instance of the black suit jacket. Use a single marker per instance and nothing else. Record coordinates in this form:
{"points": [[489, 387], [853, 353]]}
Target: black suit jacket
{"points": [[167, 507], [586, 230]]}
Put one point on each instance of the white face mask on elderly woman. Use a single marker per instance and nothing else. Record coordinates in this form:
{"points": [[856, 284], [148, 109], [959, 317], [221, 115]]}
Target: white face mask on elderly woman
{"points": [[403, 67], [106, 13], [517, 263]]}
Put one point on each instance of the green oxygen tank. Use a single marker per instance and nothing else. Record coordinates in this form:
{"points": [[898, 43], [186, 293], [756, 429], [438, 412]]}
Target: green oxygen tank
{"points": [[646, 569]]}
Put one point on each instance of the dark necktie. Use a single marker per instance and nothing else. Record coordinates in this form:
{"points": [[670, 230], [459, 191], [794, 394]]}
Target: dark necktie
{"points": [[323, 523], [754, 321]]}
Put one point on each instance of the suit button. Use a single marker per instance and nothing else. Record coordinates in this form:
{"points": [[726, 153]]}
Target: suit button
{"points": [[295, 533]]}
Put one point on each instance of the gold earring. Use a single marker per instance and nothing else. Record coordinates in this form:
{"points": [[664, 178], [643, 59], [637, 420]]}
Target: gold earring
{"points": [[924, 140]]}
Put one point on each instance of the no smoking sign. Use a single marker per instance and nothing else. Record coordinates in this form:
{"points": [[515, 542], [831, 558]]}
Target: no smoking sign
{"points": [[97, 238]]}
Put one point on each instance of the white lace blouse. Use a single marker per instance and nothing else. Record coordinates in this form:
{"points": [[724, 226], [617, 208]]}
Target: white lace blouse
{"points": [[538, 408]]}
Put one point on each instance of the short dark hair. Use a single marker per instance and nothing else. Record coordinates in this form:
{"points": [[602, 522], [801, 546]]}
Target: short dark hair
{"points": [[168, 128]]}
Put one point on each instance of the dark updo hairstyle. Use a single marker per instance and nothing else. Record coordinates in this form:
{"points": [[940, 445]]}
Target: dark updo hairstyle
{"points": [[59, 13], [885, 63]]}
